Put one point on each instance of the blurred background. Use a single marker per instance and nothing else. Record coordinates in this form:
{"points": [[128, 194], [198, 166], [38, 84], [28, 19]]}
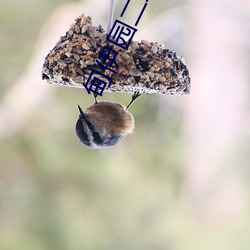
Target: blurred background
{"points": [[180, 182]]}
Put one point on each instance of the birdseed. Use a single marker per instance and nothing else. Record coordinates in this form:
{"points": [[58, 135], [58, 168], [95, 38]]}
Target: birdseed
{"points": [[146, 67]]}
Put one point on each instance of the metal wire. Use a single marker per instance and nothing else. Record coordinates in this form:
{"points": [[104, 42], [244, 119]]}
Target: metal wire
{"points": [[110, 14]]}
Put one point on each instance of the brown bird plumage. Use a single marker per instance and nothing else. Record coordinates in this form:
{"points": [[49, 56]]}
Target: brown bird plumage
{"points": [[111, 117], [104, 125]]}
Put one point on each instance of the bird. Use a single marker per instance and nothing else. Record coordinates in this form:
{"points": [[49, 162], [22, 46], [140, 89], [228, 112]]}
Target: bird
{"points": [[104, 124]]}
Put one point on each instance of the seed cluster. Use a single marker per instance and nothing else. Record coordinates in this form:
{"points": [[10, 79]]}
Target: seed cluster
{"points": [[146, 67]]}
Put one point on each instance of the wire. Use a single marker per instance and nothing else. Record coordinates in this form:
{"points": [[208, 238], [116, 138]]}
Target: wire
{"points": [[110, 15]]}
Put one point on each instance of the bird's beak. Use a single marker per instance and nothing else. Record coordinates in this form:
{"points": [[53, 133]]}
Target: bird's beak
{"points": [[82, 115]]}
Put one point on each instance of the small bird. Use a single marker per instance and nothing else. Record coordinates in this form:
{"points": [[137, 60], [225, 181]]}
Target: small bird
{"points": [[104, 124]]}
